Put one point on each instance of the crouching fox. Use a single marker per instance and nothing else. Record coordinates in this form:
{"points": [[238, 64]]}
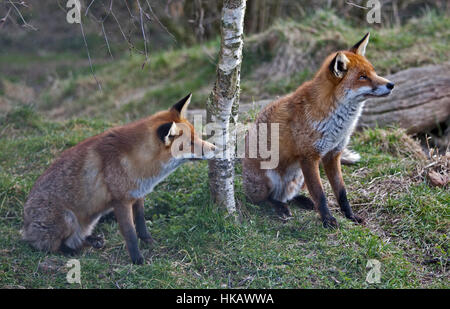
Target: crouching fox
{"points": [[315, 124], [112, 171]]}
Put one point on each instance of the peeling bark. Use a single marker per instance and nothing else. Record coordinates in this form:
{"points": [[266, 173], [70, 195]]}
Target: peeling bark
{"points": [[223, 103]]}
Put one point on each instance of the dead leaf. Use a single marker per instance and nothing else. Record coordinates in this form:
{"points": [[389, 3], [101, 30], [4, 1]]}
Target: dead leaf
{"points": [[436, 179]]}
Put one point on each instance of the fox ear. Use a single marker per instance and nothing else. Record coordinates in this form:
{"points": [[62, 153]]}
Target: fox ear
{"points": [[164, 131], [182, 105], [360, 47], [338, 65]]}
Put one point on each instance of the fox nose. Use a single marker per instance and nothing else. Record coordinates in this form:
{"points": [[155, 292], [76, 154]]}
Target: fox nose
{"points": [[212, 148], [209, 147], [390, 85]]}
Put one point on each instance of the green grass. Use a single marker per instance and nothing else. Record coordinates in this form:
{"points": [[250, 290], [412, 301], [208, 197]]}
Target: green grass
{"points": [[133, 87], [198, 246]]}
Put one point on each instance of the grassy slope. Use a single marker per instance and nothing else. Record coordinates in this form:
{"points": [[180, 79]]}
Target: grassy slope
{"points": [[407, 221], [131, 90], [407, 224]]}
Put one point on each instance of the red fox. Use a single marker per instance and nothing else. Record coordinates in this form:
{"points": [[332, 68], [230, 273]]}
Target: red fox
{"points": [[315, 124], [112, 171]]}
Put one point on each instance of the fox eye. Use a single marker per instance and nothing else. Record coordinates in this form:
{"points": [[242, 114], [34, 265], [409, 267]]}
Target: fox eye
{"points": [[175, 135], [363, 77]]}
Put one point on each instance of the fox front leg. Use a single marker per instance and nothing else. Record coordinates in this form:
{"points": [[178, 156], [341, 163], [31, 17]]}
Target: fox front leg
{"points": [[139, 221], [310, 169], [332, 167], [124, 216]]}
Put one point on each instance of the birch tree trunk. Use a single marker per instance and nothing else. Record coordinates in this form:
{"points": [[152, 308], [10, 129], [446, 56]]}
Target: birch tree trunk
{"points": [[223, 103]]}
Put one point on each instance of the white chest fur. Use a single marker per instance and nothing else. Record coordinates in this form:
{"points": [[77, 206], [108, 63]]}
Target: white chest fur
{"points": [[146, 185], [338, 126]]}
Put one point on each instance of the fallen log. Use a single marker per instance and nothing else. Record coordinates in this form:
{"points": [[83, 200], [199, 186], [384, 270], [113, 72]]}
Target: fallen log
{"points": [[419, 102]]}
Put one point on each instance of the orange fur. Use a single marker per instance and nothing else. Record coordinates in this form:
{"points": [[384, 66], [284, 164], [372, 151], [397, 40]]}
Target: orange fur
{"points": [[109, 171], [315, 123]]}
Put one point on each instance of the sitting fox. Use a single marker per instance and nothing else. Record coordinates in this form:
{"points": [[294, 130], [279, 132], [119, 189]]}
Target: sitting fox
{"points": [[112, 171], [315, 124]]}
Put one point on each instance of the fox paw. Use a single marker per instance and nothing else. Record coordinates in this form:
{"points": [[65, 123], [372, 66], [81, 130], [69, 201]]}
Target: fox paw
{"points": [[356, 219], [148, 240], [138, 260], [284, 212], [96, 242], [329, 222]]}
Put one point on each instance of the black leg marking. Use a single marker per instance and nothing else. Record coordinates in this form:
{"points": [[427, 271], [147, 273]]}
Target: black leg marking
{"points": [[303, 202], [346, 208], [328, 220], [124, 215], [139, 221], [132, 245]]}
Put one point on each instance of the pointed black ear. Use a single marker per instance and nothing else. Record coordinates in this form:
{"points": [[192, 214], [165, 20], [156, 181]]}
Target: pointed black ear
{"points": [[182, 105], [360, 47], [165, 130], [338, 66]]}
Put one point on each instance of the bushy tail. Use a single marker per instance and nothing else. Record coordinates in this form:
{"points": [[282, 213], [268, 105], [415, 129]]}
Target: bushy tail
{"points": [[349, 157], [48, 234]]}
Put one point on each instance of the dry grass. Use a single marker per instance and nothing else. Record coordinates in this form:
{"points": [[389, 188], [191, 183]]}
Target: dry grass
{"points": [[436, 170], [399, 202]]}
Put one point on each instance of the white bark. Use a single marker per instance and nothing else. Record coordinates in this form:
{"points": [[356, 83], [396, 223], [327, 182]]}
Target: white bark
{"points": [[223, 103]]}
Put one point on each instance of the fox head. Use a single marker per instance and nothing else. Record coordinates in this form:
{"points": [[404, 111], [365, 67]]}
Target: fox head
{"points": [[158, 144], [353, 76], [177, 137]]}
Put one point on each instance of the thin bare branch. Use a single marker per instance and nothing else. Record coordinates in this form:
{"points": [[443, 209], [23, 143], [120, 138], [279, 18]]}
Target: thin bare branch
{"points": [[106, 40], [159, 22], [143, 32], [89, 57], [61, 7], [356, 5], [128, 40], [103, 28], [88, 7], [25, 24], [129, 11], [3, 20]]}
